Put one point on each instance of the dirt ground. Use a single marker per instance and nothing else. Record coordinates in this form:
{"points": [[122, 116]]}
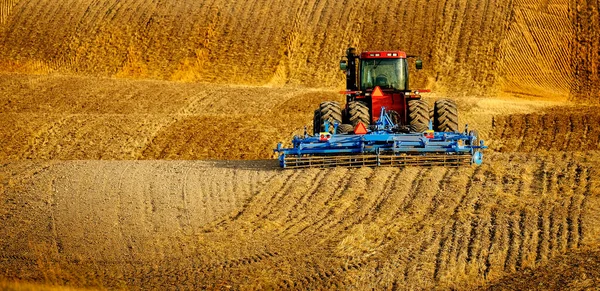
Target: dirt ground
{"points": [[136, 147], [110, 202], [249, 225]]}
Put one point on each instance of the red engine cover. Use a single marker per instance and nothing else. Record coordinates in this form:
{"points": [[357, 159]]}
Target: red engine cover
{"points": [[389, 100]]}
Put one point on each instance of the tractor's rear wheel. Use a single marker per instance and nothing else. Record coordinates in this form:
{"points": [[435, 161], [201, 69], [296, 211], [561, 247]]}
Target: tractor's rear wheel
{"points": [[316, 122], [394, 116], [345, 128], [418, 115], [328, 111], [358, 111], [445, 116]]}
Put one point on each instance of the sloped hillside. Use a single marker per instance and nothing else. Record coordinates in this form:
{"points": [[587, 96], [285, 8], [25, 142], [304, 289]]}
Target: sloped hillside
{"points": [[546, 48]]}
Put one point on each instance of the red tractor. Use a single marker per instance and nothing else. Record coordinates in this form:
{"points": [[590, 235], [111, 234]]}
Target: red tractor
{"points": [[376, 79]]}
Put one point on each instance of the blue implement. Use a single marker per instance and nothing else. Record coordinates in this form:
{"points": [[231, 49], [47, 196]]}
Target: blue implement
{"points": [[382, 146]]}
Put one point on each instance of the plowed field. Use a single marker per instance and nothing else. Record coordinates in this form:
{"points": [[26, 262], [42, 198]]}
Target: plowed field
{"points": [[525, 47], [153, 224], [136, 147]]}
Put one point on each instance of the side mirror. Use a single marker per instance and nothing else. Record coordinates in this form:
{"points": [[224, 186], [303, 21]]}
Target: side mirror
{"points": [[343, 65], [419, 64]]}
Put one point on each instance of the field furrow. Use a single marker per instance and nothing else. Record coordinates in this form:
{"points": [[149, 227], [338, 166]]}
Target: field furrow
{"points": [[432, 226], [137, 137]]}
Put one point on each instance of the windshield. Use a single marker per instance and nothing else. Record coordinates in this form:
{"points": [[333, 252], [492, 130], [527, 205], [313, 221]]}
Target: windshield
{"points": [[385, 73]]}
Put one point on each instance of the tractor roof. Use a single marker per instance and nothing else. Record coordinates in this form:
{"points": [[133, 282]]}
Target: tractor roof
{"points": [[383, 55]]}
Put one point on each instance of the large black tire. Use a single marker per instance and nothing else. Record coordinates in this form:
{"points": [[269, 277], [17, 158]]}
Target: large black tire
{"points": [[358, 111], [345, 128], [445, 116], [330, 111], [418, 115], [316, 122], [394, 116]]}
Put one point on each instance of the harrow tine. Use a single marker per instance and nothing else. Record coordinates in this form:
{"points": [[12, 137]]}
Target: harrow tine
{"points": [[374, 161]]}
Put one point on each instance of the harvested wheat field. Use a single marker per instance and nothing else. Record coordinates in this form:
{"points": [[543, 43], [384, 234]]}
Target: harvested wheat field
{"points": [[136, 147]]}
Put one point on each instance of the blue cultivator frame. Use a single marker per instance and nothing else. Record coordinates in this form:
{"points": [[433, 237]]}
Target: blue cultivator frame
{"points": [[382, 146]]}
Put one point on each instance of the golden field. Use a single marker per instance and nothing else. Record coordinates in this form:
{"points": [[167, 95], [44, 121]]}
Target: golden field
{"points": [[137, 136]]}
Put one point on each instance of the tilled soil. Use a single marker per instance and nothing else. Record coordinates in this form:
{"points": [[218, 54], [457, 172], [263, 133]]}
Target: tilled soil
{"points": [[525, 47], [564, 129], [249, 225], [101, 183]]}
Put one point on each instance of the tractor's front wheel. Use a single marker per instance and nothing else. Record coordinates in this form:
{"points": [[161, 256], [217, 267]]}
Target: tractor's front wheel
{"points": [[358, 111], [418, 115], [345, 128], [328, 111], [445, 116]]}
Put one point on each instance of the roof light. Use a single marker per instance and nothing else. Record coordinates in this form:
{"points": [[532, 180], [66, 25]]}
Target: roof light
{"points": [[389, 54], [395, 54], [377, 55]]}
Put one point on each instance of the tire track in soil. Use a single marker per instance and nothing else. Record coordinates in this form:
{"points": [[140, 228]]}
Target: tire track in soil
{"points": [[312, 198], [587, 192], [510, 242], [447, 238], [544, 210], [414, 189], [184, 219], [436, 201], [465, 203], [120, 218], [415, 253], [279, 195], [243, 261], [400, 209], [327, 278], [574, 206], [471, 211], [327, 210], [554, 130], [521, 240], [392, 212], [480, 227], [359, 216], [264, 196], [417, 256], [287, 202], [350, 200], [387, 191], [441, 253], [542, 235], [56, 239]]}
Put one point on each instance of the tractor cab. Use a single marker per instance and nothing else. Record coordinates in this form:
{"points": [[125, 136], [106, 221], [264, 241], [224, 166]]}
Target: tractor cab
{"points": [[388, 72], [378, 79]]}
